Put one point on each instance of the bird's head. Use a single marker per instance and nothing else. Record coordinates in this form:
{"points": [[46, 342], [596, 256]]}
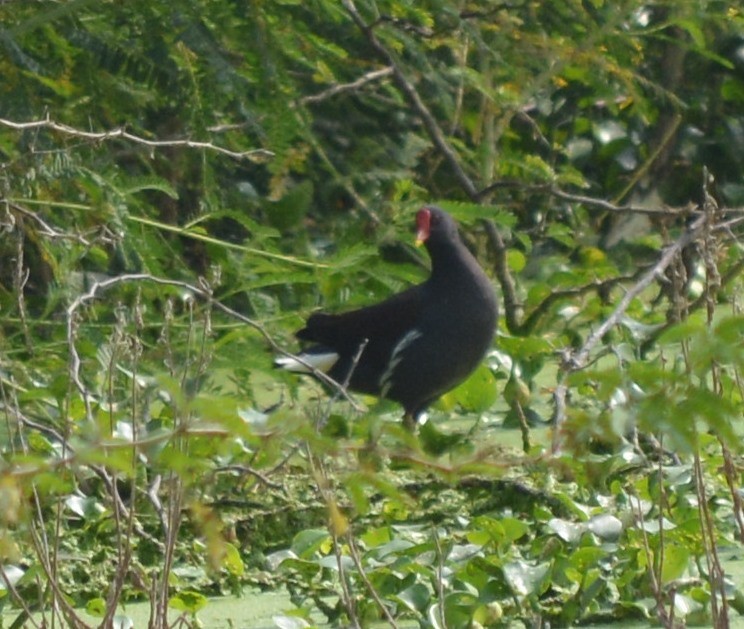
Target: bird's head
{"points": [[433, 223]]}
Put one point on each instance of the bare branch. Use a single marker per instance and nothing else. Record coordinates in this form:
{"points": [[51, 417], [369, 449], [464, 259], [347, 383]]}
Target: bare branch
{"points": [[611, 207], [579, 359], [188, 232], [730, 275], [344, 385], [528, 325], [17, 597], [512, 308], [120, 133], [104, 235], [594, 202], [346, 87]]}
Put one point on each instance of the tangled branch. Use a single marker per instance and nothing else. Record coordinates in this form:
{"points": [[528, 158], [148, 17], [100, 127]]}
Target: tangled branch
{"points": [[202, 292], [436, 134], [705, 222]]}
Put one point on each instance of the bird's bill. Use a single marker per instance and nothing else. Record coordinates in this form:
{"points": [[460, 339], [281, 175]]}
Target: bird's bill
{"points": [[423, 226]]}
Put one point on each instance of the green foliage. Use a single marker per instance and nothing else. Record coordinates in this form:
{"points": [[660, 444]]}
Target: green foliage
{"points": [[184, 182]]}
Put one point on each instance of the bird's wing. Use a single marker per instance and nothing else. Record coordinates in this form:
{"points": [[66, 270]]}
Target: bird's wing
{"points": [[382, 325]]}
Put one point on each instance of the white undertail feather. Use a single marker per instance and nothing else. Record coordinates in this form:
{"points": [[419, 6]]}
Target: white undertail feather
{"points": [[322, 362]]}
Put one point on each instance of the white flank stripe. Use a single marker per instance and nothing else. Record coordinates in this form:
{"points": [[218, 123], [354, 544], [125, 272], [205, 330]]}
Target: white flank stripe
{"points": [[321, 362], [395, 358]]}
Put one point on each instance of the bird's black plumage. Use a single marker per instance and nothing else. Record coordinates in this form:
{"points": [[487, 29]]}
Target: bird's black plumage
{"points": [[419, 343]]}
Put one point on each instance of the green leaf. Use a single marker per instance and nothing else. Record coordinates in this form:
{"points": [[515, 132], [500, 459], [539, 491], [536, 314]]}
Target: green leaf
{"points": [[468, 212], [514, 529], [516, 260], [566, 530], [676, 561], [526, 579], [587, 557], [478, 393], [231, 560], [436, 442], [86, 507], [693, 29], [140, 184], [522, 348], [489, 615], [307, 543], [375, 536], [416, 598], [188, 601], [96, 607], [681, 331], [605, 526]]}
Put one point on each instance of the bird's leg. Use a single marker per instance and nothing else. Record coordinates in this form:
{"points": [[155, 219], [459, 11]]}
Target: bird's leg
{"points": [[409, 422]]}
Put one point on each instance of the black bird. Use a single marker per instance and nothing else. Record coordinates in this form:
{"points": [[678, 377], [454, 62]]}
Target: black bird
{"points": [[419, 343]]}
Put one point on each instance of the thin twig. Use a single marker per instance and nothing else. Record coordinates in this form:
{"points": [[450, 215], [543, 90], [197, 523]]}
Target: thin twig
{"points": [[340, 88], [345, 384], [370, 587], [55, 234], [529, 324], [636, 509], [38, 529], [719, 602], [730, 275], [120, 133], [344, 181], [61, 605], [245, 469], [666, 140], [440, 578], [19, 599], [524, 426], [20, 279], [593, 202], [613, 207], [186, 231], [347, 597]]}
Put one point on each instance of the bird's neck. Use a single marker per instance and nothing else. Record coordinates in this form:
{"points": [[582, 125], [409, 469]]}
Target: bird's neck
{"points": [[448, 260]]}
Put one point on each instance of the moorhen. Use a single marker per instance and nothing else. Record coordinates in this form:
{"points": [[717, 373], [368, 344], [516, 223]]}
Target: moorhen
{"points": [[419, 343]]}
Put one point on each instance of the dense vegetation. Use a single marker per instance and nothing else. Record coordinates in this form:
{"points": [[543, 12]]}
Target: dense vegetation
{"points": [[183, 182]]}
